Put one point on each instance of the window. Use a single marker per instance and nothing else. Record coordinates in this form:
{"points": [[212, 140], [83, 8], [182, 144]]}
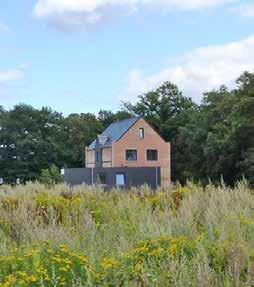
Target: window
{"points": [[120, 179], [97, 156], [152, 154], [131, 154], [101, 178], [141, 133]]}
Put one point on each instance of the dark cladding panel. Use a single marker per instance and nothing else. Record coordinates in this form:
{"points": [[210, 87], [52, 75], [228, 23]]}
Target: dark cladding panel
{"points": [[133, 176], [77, 176]]}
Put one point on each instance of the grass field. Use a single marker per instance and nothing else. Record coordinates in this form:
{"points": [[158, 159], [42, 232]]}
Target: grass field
{"points": [[189, 236]]}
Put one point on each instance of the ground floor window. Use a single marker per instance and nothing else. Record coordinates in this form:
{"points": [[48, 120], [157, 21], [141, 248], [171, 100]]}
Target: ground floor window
{"points": [[120, 179], [102, 178]]}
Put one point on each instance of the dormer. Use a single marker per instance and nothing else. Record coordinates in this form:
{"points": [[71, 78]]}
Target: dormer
{"points": [[102, 139]]}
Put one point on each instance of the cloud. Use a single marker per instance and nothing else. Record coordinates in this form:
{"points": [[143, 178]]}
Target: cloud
{"points": [[199, 71], [76, 13], [11, 74], [246, 10]]}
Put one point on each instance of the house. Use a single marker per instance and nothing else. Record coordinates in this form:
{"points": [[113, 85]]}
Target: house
{"points": [[130, 151]]}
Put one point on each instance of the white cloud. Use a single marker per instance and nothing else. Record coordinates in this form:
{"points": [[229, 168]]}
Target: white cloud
{"points": [[201, 70], [11, 75], [85, 12], [246, 10]]}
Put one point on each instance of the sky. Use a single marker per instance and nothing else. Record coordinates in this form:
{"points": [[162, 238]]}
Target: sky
{"points": [[80, 56]]}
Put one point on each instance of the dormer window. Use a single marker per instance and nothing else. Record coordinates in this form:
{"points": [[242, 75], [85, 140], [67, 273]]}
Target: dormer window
{"points": [[141, 133], [102, 139]]}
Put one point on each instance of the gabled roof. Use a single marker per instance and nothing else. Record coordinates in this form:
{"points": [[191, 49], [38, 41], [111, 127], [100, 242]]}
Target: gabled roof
{"points": [[114, 132]]}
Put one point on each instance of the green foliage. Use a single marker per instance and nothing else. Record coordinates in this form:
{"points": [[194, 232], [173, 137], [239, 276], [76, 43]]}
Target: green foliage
{"points": [[51, 175], [107, 117], [188, 236], [209, 141], [81, 130], [46, 177]]}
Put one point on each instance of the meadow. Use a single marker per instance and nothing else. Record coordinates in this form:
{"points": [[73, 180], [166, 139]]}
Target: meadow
{"points": [[82, 236]]}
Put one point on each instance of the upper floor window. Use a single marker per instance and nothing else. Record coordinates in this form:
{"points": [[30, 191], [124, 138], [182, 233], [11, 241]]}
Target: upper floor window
{"points": [[141, 133], [152, 154], [131, 154]]}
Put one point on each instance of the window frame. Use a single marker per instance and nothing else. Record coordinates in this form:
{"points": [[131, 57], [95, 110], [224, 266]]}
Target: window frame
{"points": [[102, 178], [131, 150], [152, 150], [141, 133], [123, 177]]}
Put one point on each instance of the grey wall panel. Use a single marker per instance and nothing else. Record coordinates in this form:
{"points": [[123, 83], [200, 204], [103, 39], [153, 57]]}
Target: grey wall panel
{"points": [[78, 176], [133, 176]]}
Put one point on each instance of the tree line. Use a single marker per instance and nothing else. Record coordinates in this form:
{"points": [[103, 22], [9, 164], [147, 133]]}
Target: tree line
{"points": [[211, 141]]}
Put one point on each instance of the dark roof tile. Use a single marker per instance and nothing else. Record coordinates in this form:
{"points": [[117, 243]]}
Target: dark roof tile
{"points": [[115, 131]]}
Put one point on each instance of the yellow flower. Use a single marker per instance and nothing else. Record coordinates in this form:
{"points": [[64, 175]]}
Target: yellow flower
{"points": [[31, 279], [172, 249], [138, 267], [63, 269], [156, 252], [10, 279], [49, 251], [21, 274], [108, 263], [64, 248]]}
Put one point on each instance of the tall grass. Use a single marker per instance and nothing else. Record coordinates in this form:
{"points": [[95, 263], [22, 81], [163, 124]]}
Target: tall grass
{"points": [[82, 236]]}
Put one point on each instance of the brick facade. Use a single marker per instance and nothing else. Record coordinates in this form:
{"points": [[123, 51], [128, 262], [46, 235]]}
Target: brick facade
{"points": [[151, 141]]}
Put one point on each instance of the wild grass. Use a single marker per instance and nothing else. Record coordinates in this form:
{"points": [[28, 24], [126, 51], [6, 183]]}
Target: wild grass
{"points": [[82, 236]]}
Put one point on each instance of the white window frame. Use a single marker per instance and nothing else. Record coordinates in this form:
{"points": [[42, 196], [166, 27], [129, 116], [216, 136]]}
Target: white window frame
{"points": [[141, 133], [120, 179]]}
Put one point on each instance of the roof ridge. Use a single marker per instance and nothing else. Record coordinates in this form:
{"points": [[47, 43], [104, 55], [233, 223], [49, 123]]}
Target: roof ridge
{"points": [[127, 119]]}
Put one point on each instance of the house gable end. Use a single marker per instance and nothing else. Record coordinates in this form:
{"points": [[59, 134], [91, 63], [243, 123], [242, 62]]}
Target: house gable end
{"points": [[148, 129]]}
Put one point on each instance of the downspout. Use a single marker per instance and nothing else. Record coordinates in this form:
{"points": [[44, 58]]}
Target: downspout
{"points": [[92, 181], [156, 175]]}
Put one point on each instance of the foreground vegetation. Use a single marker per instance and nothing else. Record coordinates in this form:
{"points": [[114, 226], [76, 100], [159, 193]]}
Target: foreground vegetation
{"points": [[189, 236]]}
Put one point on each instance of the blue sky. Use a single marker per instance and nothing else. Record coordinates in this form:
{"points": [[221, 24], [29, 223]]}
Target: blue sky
{"points": [[87, 55]]}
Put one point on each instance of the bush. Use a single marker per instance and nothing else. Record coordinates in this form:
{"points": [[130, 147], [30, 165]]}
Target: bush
{"points": [[50, 176]]}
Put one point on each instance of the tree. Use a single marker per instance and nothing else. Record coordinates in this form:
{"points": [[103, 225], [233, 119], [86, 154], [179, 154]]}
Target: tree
{"points": [[167, 110], [243, 125], [30, 140], [108, 117], [45, 177], [81, 130], [220, 138]]}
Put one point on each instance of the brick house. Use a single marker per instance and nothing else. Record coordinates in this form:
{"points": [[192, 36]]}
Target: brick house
{"points": [[130, 144]]}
